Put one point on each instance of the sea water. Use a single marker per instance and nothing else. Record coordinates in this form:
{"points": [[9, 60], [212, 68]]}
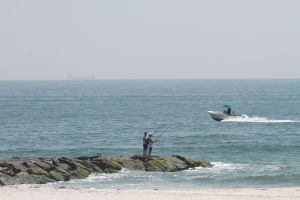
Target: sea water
{"points": [[84, 118]]}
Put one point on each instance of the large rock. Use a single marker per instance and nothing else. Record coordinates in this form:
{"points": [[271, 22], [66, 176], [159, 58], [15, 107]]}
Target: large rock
{"points": [[60, 174], [43, 170], [5, 179], [108, 165], [169, 164], [132, 163]]}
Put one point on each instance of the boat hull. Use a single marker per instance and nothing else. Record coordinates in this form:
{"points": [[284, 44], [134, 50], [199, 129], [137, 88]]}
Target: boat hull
{"points": [[219, 116]]}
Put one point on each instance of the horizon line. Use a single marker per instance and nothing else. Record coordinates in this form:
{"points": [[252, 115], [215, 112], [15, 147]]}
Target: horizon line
{"points": [[154, 79]]}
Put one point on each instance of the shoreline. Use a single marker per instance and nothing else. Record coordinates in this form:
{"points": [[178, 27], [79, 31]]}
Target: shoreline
{"points": [[34, 192]]}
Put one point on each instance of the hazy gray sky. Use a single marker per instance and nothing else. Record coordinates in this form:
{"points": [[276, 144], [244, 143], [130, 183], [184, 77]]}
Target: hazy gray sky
{"points": [[154, 39]]}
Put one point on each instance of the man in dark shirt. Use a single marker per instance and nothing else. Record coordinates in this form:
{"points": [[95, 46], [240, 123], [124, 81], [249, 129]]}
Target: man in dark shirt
{"points": [[145, 144]]}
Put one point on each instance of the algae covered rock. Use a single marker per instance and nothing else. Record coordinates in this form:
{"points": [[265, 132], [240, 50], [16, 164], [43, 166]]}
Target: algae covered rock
{"points": [[36, 170], [168, 164], [5, 179], [43, 170], [108, 165], [200, 162], [60, 174], [79, 173], [25, 178], [91, 167], [133, 163]]}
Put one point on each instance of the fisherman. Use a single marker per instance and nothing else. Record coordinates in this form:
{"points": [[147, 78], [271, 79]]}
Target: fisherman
{"points": [[150, 144], [145, 143]]}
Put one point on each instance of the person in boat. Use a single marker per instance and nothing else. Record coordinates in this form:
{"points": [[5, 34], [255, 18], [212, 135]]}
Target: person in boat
{"points": [[150, 144], [145, 144], [228, 111]]}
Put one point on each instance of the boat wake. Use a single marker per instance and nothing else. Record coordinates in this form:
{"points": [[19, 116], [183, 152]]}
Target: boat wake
{"points": [[255, 119]]}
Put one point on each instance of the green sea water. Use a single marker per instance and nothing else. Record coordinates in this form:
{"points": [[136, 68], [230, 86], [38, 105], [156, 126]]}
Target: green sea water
{"points": [[75, 118]]}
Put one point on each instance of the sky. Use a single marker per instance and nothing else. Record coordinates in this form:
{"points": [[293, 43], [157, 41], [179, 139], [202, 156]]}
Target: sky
{"points": [[153, 39]]}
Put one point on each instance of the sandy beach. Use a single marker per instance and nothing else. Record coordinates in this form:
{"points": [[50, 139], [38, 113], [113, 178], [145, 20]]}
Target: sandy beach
{"points": [[48, 193]]}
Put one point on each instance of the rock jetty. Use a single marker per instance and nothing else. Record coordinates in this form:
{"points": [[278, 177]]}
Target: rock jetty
{"points": [[17, 170]]}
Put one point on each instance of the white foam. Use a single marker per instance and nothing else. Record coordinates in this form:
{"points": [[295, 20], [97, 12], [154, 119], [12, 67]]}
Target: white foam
{"points": [[220, 167], [239, 166], [255, 119]]}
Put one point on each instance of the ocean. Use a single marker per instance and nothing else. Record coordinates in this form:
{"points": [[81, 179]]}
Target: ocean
{"points": [[85, 118]]}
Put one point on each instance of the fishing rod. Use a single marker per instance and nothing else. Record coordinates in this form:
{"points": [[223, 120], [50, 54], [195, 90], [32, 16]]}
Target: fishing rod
{"points": [[158, 128], [155, 129], [162, 133]]}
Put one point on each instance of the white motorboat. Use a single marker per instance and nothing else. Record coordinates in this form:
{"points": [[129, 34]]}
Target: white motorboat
{"points": [[219, 116]]}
